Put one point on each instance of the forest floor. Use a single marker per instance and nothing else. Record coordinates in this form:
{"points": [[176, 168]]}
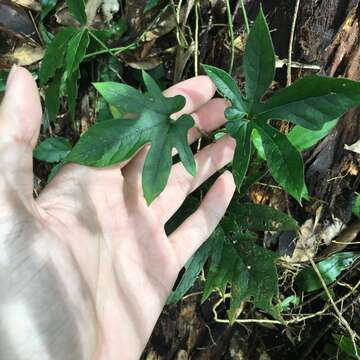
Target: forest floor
{"points": [[170, 41]]}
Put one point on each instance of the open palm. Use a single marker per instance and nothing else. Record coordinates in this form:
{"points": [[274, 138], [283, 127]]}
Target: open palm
{"points": [[87, 267]]}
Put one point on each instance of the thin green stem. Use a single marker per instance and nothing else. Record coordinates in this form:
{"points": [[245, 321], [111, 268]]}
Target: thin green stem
{"points": [[245, 16], [131, 46], [291, 43], [102, 44], [232, 37], [196, 53]]}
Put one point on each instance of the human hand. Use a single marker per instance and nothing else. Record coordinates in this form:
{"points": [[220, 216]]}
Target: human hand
{"points": [[87, 267]]}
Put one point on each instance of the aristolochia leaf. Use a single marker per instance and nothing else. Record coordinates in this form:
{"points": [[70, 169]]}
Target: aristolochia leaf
{"points": [[235, 262], [259, 61], [55, 54], [284, 161], [226, 86], [235, 259], [241, 132], [311, 101], [113, 141]]}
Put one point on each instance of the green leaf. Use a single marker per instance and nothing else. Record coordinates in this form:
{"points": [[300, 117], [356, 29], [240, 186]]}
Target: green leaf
{"points": [[284, 161], [346, 345], [77, 10], [150, 4], [53, 149], [235, 258], [233, 113], [257, 217], [257, 141], [330, 269], [259, 61], [72, 92], [290, 300], [52, 96], [356, 207], [3, 79], [47, 6], [55, 170], [113, 141], [235, 262], [304, 139], [312, 101], [241, 132], [226, 86], [76, 51], [193, 268], [55, 54]]}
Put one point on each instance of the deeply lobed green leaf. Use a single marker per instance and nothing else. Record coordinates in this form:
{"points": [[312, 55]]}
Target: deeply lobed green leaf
{"points": [[118, 140], [235, 259]]}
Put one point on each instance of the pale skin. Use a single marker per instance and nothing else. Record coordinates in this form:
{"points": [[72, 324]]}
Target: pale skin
{"points": [[86, 268]]}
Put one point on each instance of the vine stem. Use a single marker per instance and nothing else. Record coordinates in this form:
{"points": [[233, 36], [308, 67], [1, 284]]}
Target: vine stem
{"points": [[245, 16], [232, 37], [196, 54], [291, 42], [343, 321]]}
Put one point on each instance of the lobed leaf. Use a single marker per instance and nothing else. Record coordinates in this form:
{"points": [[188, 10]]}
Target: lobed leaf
{"points": [[258, 217], [193, 268], [118, 140], [259, 61], [311, 101], [236, 262], [235, 259]]}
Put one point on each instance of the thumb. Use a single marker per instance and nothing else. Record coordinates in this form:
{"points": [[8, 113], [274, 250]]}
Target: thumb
{"points": [[20, 111], [20, 119]]}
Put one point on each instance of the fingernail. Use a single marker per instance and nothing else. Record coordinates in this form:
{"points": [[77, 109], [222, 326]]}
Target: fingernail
{"points": [[11, 76]]}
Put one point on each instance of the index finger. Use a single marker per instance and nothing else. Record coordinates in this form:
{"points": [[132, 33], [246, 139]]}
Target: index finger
{"points": [[197, 92]]}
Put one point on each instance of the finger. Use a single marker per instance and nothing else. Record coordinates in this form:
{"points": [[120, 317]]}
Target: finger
{"points": [[199, 226], [20, 119], [20, 111], [207, 118], [208, 161], [197, 92]]}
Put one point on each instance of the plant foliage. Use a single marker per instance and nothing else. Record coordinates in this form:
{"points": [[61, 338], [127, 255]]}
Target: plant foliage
{"points": [[311, 103]]}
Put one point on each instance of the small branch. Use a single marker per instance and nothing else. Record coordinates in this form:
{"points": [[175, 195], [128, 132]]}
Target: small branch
{"points": [[196, 54], [245, 16], [232, 37], [343, 321], [291, 43]]}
